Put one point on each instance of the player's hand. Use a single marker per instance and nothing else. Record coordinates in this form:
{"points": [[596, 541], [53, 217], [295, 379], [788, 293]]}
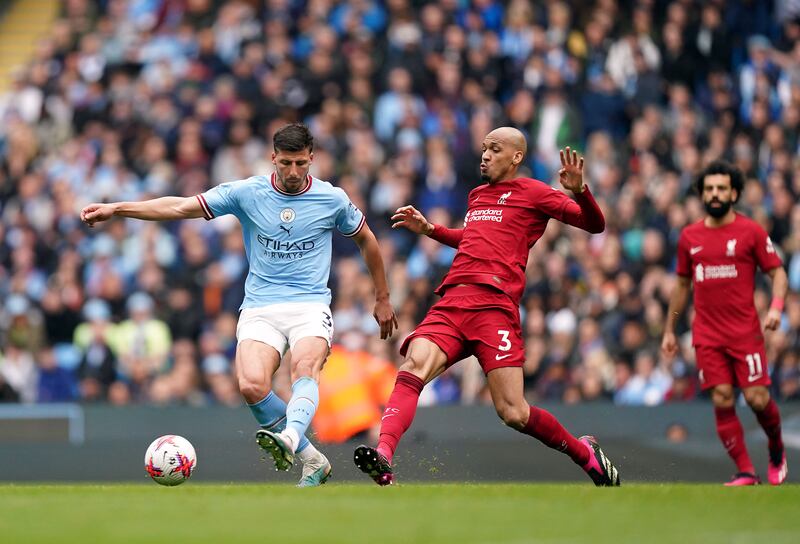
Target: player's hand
{"points": [[773, 320], [571, 173], [95, 213], [411, 218], [384, 315], [669, 345]]}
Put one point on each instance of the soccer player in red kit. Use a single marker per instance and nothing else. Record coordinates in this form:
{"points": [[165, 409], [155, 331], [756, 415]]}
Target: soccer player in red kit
{"points": [[479, 310], [719, 255]]}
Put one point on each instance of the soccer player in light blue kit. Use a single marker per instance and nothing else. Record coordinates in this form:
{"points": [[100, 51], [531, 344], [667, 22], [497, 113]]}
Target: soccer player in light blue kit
{"points": [[287, 221]]}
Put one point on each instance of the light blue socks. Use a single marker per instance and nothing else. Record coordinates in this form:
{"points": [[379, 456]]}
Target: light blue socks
{"points": [[302, 406], [270, 412]]}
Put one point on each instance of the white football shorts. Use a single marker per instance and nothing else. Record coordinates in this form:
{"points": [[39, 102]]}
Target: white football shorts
{"points": [[283, 325]]}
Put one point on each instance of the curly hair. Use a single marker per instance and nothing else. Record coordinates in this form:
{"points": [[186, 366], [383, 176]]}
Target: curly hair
{"points": [[726, 169]]}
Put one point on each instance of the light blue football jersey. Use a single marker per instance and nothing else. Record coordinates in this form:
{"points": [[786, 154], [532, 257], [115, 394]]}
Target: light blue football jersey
{"points": [[287, 237]]}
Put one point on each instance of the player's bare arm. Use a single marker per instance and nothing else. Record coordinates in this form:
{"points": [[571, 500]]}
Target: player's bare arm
{"points": [[571, 173], [370, 251], [780, 286], [412, 219], [677, 303], [158, 209]]}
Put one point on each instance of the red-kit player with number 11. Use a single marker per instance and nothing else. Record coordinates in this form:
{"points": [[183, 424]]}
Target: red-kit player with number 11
{"points": [[479, 310], [720, 255]]}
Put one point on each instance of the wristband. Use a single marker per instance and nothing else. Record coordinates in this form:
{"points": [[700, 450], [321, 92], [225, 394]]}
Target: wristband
{"points": [[776, 304]]}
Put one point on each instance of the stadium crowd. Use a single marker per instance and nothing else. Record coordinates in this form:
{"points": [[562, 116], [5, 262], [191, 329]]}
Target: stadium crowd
{"points": [[134, 99]]}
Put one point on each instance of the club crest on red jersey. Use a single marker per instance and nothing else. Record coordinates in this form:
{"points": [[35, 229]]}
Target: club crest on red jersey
{"points": [[731, 248], [503, 198]]}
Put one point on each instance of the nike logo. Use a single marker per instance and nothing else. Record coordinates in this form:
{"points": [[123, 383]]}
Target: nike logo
{"points": [[694, 250], [501, 357], [389, 412]]}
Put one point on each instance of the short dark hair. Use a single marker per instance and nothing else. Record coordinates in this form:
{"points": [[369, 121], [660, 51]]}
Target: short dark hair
{"points": [[293, 138], [726, 169]]}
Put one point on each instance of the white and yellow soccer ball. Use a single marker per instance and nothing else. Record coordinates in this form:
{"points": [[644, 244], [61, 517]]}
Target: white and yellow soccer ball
{"points": [[170, 460]]}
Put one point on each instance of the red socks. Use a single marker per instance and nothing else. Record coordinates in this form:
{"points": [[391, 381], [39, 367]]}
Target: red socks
{"points": [[544, 427], [399, 412], [729, 429], [770, 420]]}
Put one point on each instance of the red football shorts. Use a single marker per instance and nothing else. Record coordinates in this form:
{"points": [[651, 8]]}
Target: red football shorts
{"points": [[474, 320], [739, 366]]}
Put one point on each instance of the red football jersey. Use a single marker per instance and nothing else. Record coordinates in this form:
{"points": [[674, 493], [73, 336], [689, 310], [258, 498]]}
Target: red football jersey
{"points": [[722, 263], [503, 222]]}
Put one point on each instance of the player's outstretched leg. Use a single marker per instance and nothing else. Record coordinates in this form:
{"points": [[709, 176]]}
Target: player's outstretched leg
{"points": [[584, 451], [599, 468], [506, 387], [397, 418], [373, 463]]}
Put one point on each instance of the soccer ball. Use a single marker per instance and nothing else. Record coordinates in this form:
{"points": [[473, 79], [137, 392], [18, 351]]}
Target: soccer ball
{"points": [[170, 460]]}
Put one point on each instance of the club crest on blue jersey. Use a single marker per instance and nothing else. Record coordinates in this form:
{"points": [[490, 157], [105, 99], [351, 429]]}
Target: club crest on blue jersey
{"points": [[287, 215]]}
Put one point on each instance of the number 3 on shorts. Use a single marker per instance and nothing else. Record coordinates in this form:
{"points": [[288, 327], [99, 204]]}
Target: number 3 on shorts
{"points": [[505, 343]]}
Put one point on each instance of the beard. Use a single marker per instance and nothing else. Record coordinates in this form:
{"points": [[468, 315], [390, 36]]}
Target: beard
{"points": [[486, 178], [717, 211]]}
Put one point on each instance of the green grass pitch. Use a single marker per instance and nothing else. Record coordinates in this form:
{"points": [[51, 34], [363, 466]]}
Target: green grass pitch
{"points": [[460, 513]]}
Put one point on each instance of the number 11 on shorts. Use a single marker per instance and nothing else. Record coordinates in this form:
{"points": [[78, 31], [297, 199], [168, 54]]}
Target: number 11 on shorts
{"points": [[754, 366]]}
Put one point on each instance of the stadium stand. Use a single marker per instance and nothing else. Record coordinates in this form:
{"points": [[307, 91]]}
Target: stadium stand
{"points": [[143, 98]]}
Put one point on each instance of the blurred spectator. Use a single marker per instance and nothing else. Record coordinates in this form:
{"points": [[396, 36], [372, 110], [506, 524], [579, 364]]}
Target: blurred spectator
{"points": [[18, 370], [56, 384], [142, 344], [354, 387], [97, 369], [649, 384], [677, 433]]}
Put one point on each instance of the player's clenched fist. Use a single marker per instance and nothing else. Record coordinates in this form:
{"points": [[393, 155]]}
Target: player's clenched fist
{"points": [[95, 213]]}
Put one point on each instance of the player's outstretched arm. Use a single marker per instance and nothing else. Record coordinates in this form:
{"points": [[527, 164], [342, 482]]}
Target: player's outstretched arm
{"points": [[584, 213], [780, 286], [157, 209], [370, 251], [677, 303], [412, 219]]}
